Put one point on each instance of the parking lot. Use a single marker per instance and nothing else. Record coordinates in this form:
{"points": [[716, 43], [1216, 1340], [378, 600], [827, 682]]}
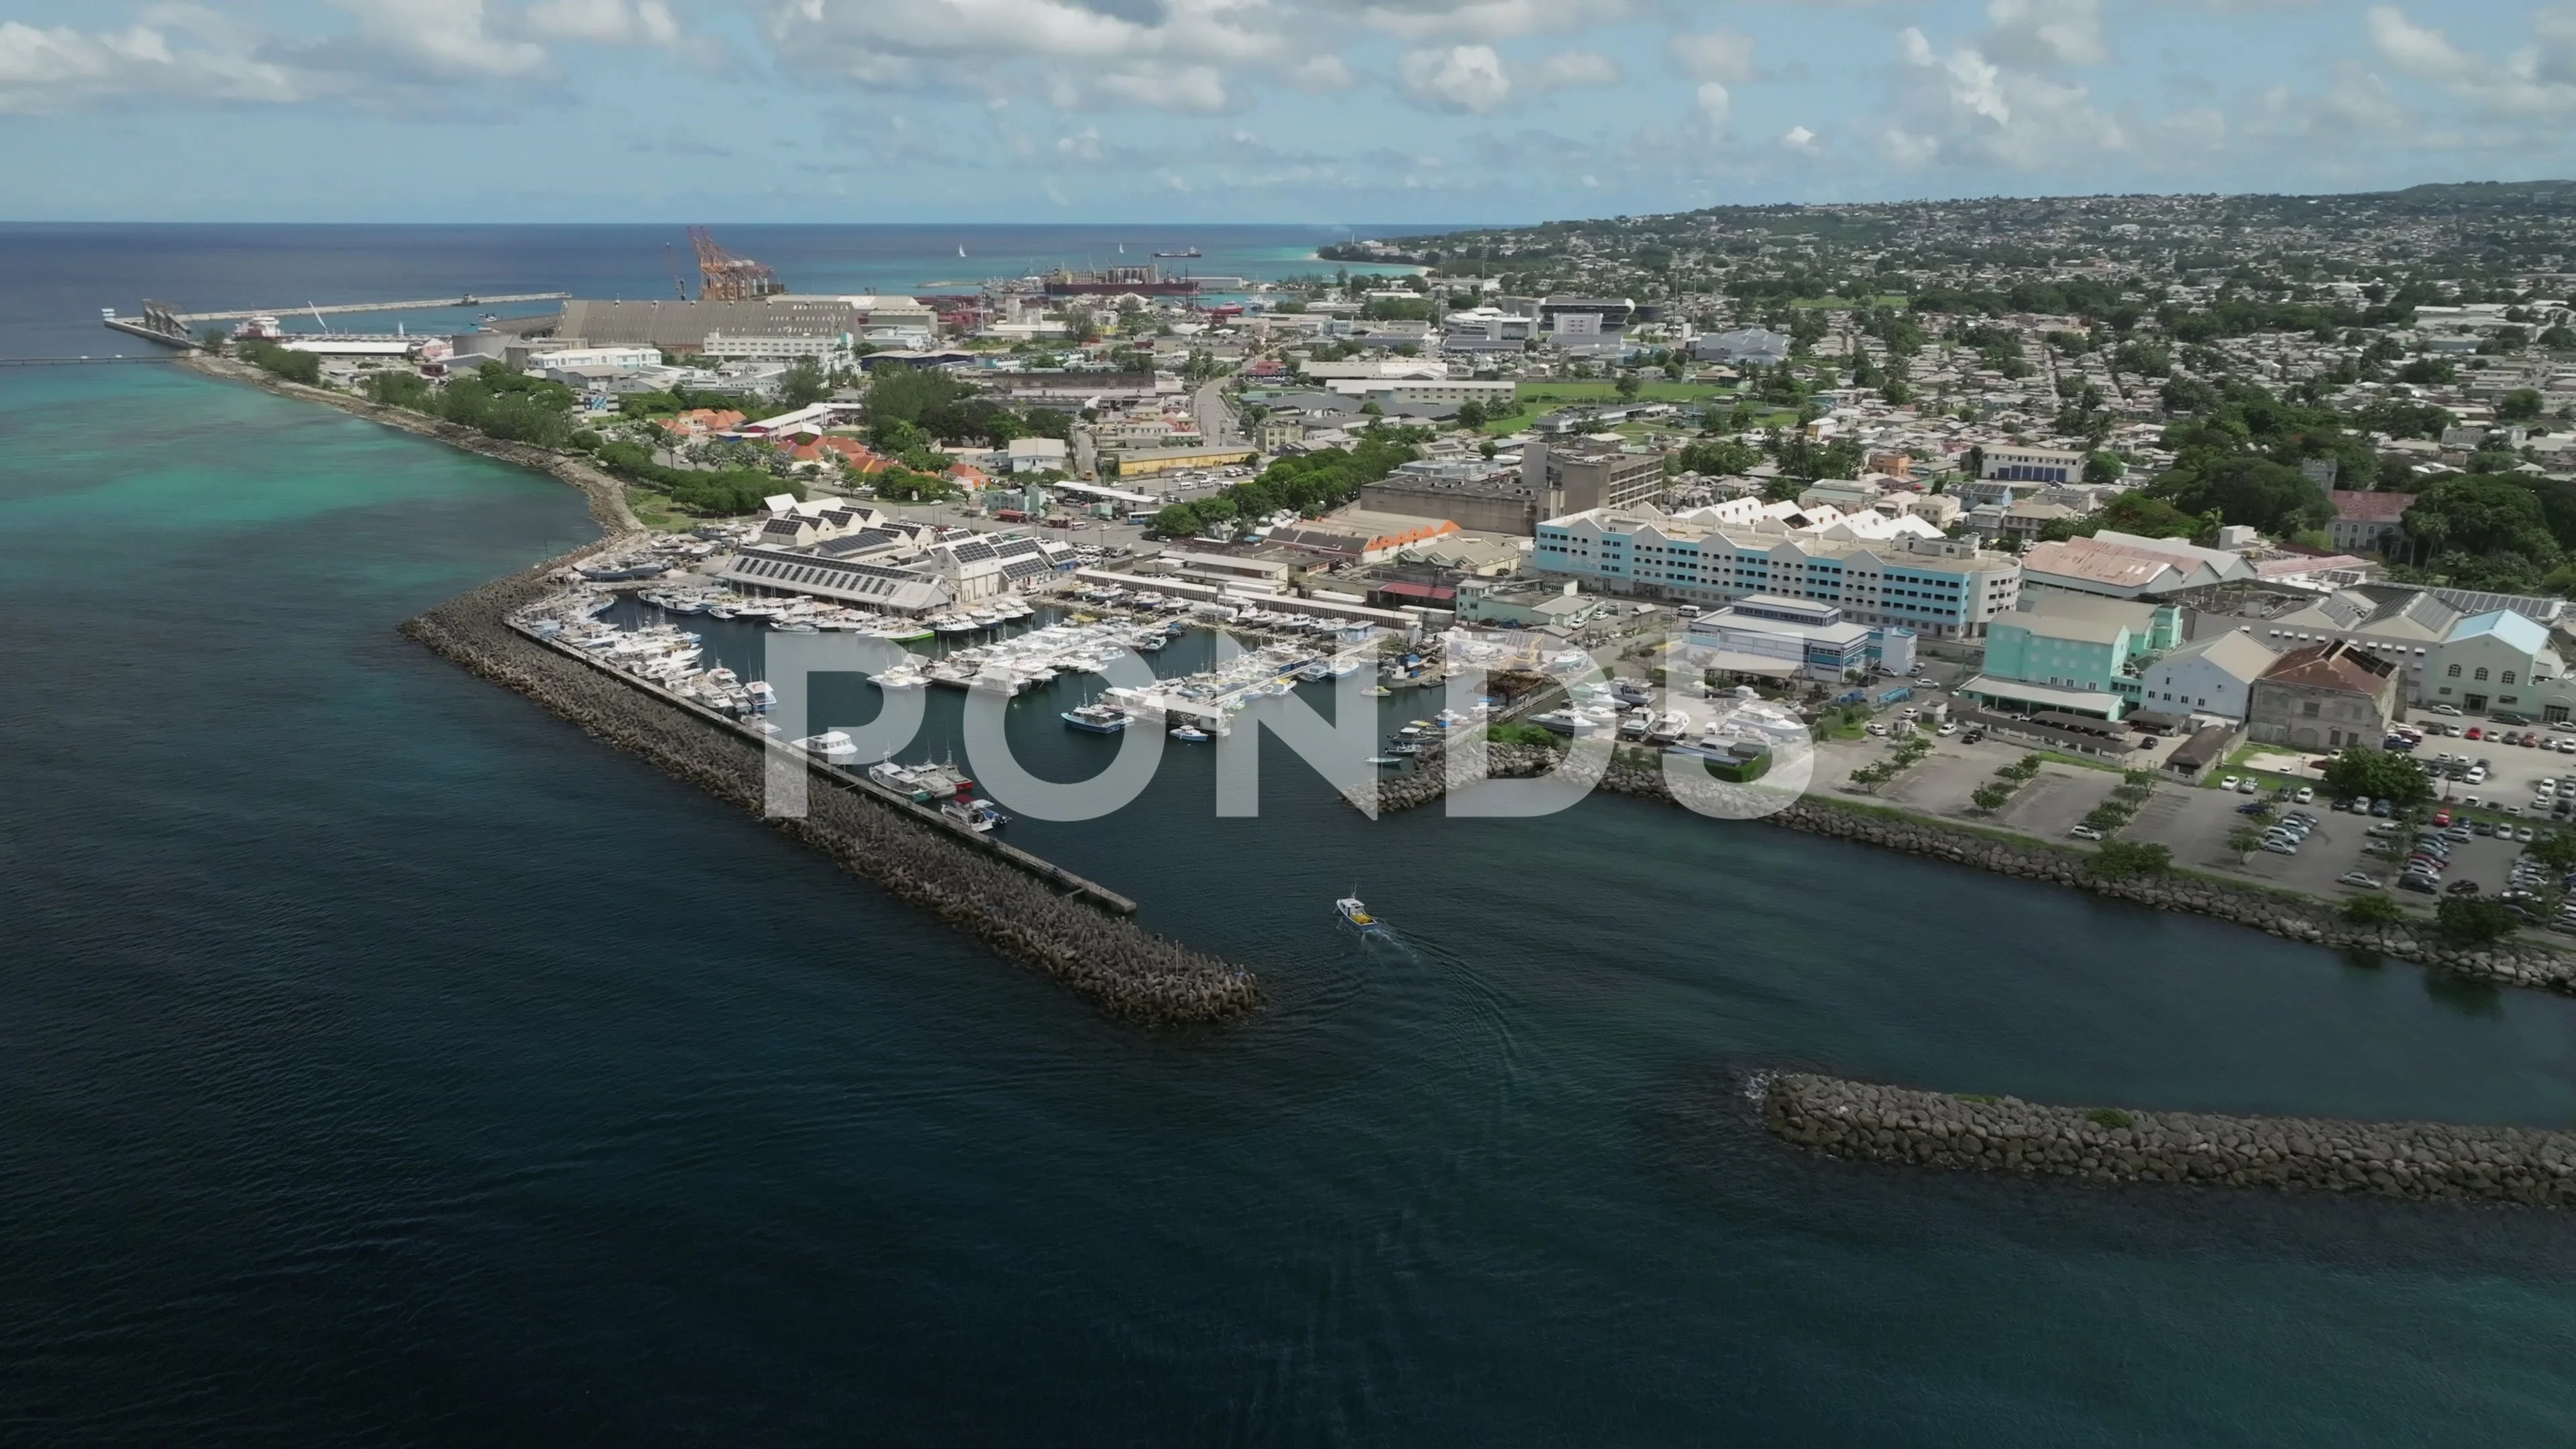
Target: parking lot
{"points": [[2197, 822]]}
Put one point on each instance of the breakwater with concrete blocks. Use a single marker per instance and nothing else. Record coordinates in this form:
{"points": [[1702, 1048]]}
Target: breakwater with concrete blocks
{"points": [[1973, 1133], [2509, 963], [1022, 908]]}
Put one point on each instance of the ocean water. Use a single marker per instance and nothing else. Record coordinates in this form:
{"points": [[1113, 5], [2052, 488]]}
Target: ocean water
{"points": [[382, 1061]]}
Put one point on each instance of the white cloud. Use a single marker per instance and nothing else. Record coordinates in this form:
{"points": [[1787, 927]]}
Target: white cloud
{"points": [[1459, 78], [1486, 19], [603, 22], [1799, 138], [1719, 55], [1966, 108], [172, 52], [2047, 32], [2537, 79], [2415, 50], [1322, 72], [1714, 104], [1175, 58], [1574, 68], [438, 38]]}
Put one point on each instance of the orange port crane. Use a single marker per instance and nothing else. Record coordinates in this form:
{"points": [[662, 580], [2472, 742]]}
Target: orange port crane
{"points": [[724, 277]]}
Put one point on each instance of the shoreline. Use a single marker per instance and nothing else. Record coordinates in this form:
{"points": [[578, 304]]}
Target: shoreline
{"points": [[1126, 971], [607, 496], [2508, 963], [2504, 963], [1971, 1132]]}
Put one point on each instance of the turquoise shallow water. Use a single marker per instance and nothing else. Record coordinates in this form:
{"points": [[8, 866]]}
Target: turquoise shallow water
{"points": [[381, 1061]]}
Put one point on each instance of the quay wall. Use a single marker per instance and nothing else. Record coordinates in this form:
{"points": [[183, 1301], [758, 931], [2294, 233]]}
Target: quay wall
{"points": [[2511, 963], [1128, 972], [1939, 1130]]}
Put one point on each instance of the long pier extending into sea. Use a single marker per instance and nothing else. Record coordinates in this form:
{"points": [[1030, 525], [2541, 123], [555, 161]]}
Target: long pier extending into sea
{"points": [[159, 322]]}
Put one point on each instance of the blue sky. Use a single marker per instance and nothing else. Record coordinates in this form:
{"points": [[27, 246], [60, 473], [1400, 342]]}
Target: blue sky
{"points": [[1245, 110]]}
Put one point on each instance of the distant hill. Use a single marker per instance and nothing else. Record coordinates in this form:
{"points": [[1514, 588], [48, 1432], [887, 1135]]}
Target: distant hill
{"points": [[2487, 191]]}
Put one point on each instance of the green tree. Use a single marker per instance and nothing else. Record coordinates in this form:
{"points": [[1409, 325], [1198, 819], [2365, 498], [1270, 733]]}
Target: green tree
{"points": [[803, 384], [2519, 406], [2473, 920], [2378, 775], [2124, 859], [2244, 840], [2104, 468], [905, 394], [2481, 515], [1628, 385], [2245, 489], [1990, 798], [2372, 909], [2556, 850]]}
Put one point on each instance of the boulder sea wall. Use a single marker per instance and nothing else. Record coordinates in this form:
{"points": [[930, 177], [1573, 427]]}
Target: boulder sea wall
{"points": [[2421, 1160], [1127, 971]]}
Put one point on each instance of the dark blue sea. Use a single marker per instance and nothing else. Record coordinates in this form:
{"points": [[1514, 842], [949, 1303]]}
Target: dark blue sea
{"points": [[384, 1062]]}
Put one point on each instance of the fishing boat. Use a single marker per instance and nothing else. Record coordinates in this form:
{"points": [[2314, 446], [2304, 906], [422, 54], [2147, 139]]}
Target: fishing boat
{"points": [[831, 745], [898, 779], [1385, 760], [1189, 734], [979, 816], [1356, 911], [1377, 691], [1099, 719], [763, 698], [901, 677]]}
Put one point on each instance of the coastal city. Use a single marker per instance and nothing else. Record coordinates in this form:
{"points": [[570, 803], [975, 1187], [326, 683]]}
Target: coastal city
{"points": [[1288, 723], [2245, 561]]}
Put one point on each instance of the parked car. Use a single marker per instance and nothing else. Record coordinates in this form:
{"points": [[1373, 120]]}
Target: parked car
{"points": [[2248, 786], [2475, 733], [2418, 883], [2280, 847], [2383, 808], [2256, 807], [2227, 782], [2461, 888], [2359, 880], [2523, 834], [2085, 832], [2448, 709], [2304, 795]]}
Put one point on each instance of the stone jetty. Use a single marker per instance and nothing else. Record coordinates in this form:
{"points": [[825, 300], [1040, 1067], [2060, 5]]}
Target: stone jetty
{"points": [[1967, 1133], [2510, 963], [1129, 972]]}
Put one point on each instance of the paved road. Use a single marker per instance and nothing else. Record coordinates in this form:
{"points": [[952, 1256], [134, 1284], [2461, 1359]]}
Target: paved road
{"points": [[1215, 419]]}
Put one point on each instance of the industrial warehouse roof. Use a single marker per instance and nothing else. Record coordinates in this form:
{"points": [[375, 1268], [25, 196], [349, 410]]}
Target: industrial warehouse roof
{"points": [[901, 590]]}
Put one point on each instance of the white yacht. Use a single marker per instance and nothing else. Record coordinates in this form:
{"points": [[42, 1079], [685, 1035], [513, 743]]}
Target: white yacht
{"points": [[831, 745]]}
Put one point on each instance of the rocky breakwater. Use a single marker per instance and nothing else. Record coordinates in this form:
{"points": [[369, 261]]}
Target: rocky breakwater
{"points": [[1127, 971], [2425, 1160]]}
